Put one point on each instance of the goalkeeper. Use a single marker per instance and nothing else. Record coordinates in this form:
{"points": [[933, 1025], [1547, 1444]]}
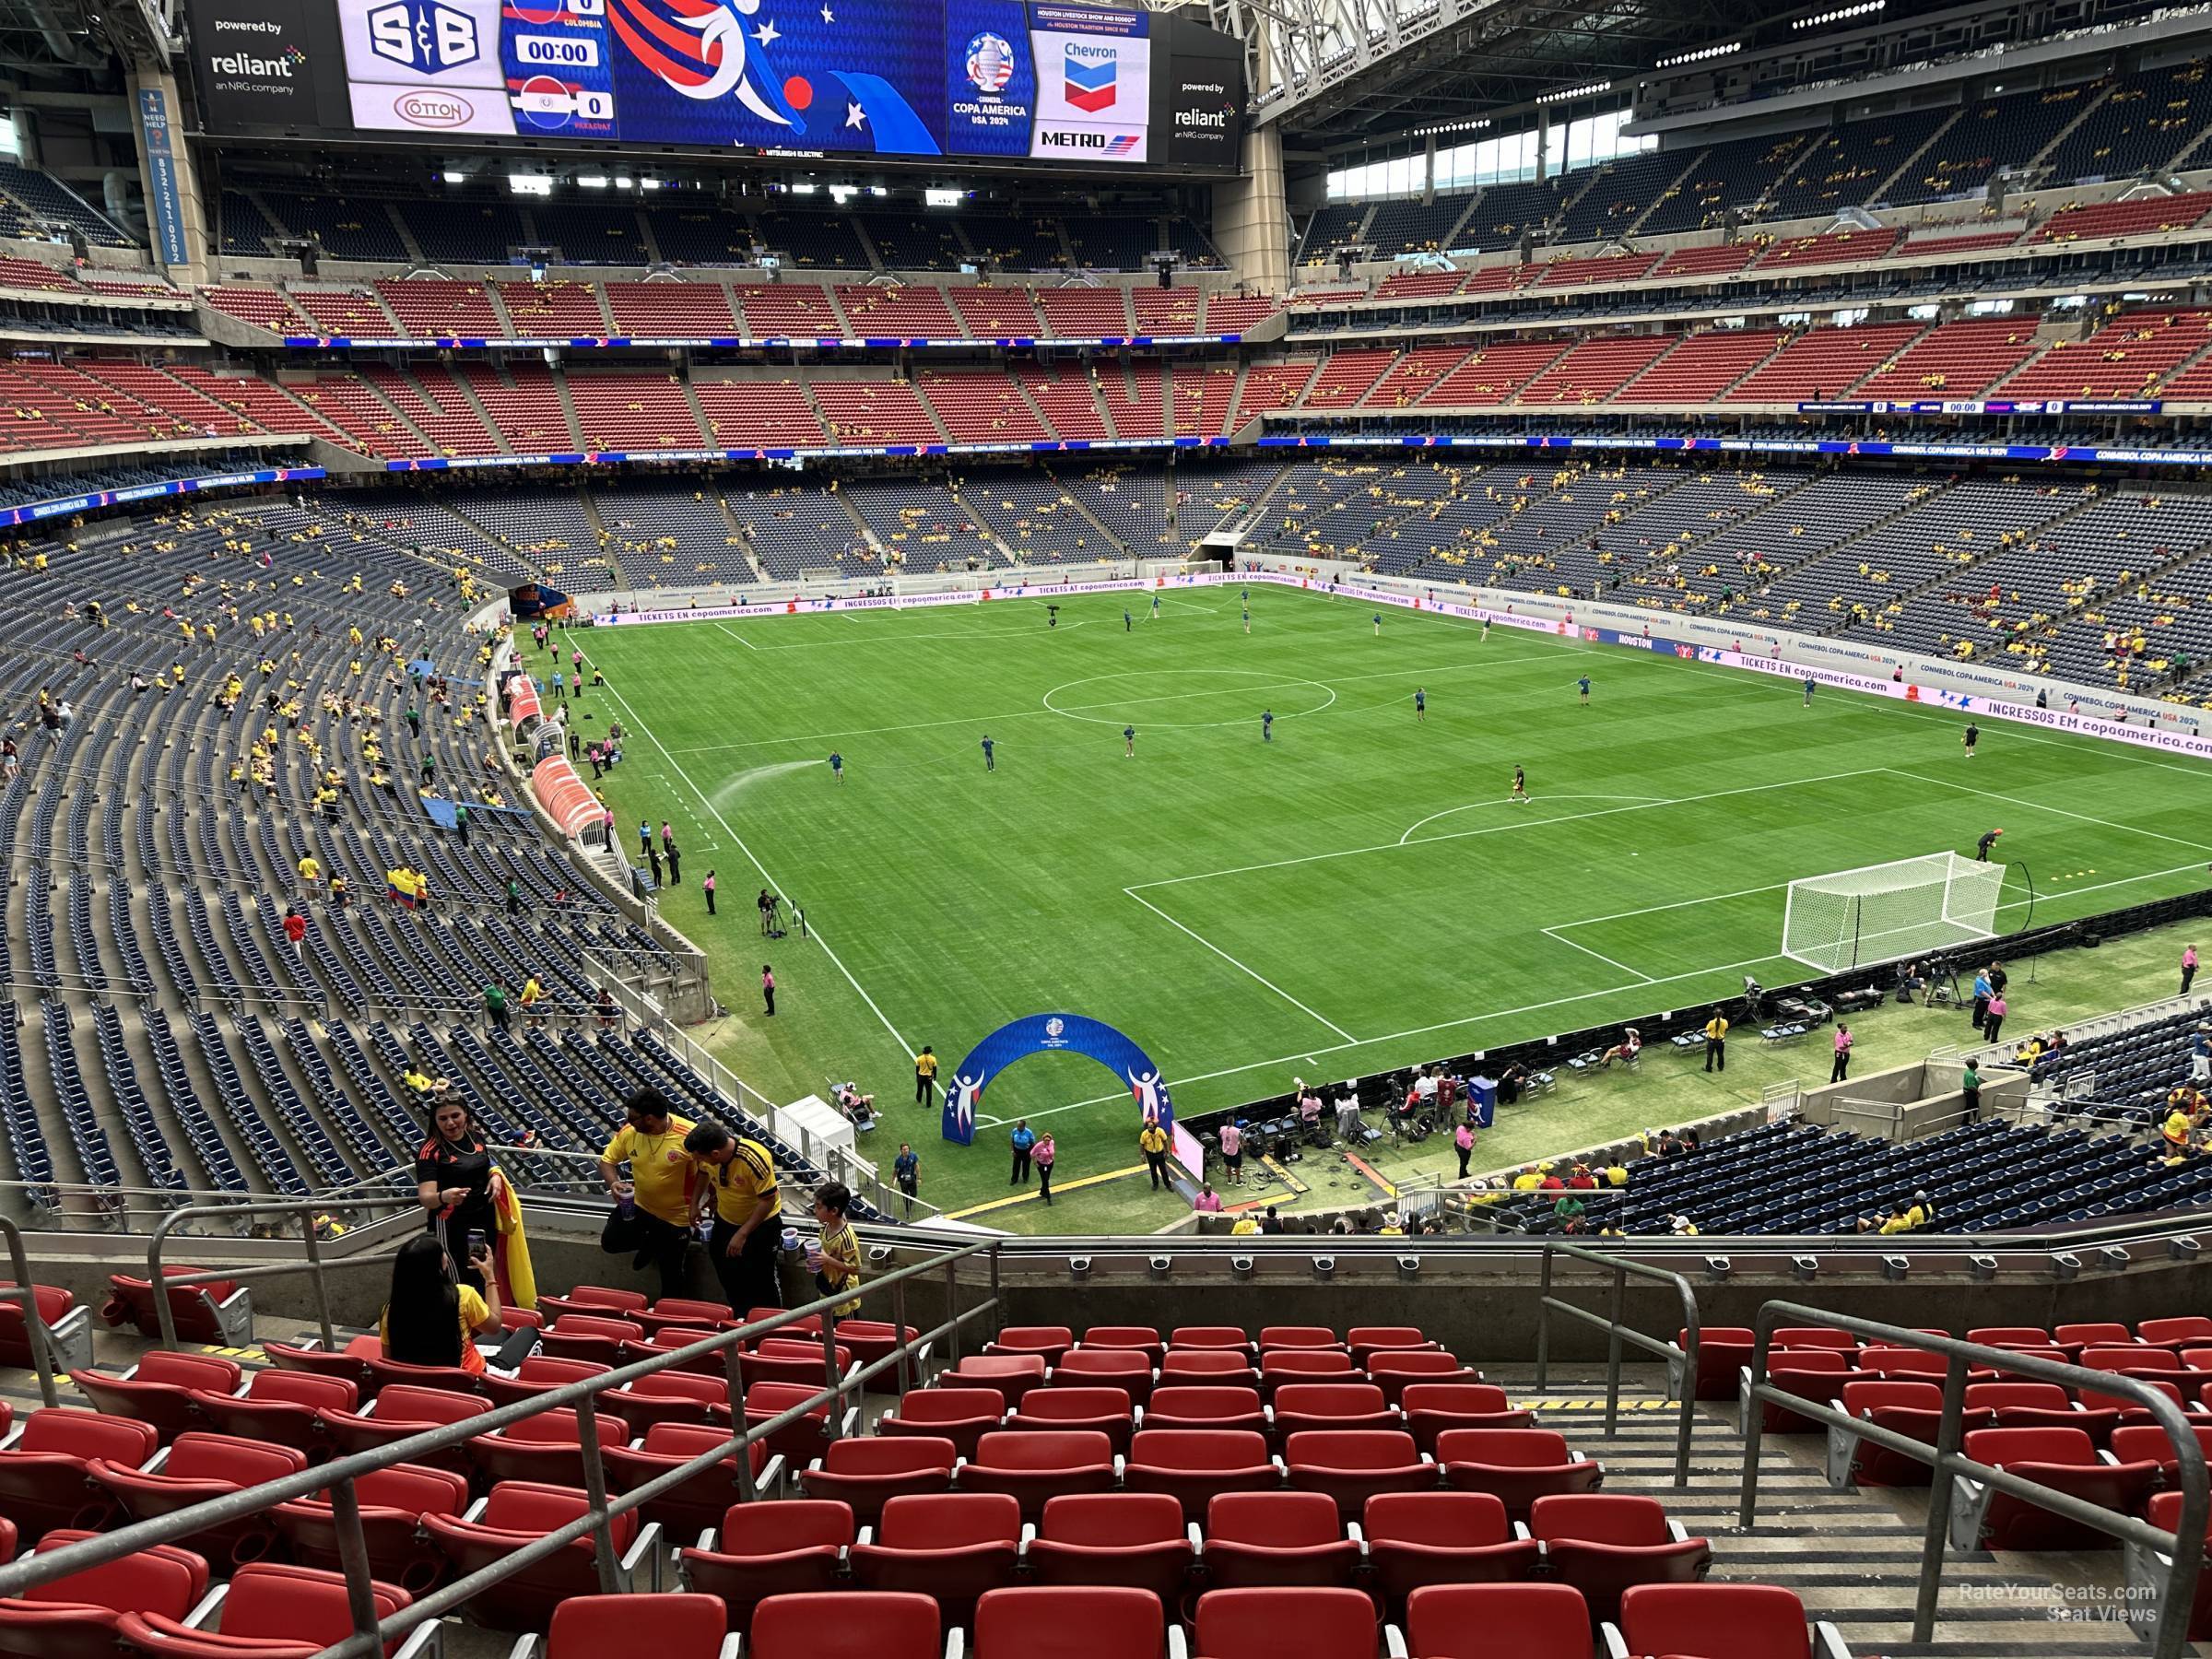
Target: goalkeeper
{"points": [[1982, 847]]}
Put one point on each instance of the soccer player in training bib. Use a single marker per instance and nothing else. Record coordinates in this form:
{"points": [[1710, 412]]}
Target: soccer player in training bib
{"points": [[989, 756], [1156, 608], [1129, 743], [1520, 785], [1248, 618], [1266, 725], [836, 766], [1583, 685], [1378, 625], [1420, 704]]}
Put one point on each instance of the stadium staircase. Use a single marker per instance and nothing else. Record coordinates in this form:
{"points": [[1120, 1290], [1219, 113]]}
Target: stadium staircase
{"points": [[384, 401], [1113, 538], [1851, 1556], [568, 409], [1903, 170], [738, 540], [2089, 107]]}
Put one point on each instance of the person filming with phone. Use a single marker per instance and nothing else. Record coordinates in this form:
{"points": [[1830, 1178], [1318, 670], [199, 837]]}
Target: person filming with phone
{"points": [[432, 1318]]}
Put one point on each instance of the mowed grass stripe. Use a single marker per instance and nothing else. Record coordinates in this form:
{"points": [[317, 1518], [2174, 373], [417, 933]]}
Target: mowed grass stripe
{"points": [[958, 899]]}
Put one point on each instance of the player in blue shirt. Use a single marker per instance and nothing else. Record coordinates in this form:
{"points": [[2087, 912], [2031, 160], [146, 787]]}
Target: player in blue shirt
{"points": [[1378, 625], [1127, 626], [1156, 608], [836, 766], [1266, 725], [1584, 684], [1248, 618], [1129, 743], [990, 755], [1809, 683], [1420, 704]]}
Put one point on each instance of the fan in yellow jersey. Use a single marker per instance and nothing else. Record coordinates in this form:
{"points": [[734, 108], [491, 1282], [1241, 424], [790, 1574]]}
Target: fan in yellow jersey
{"points": [[651, 1142], [738, 1183]]}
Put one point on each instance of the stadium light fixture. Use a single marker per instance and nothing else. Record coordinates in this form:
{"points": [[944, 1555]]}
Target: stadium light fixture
{"points": [[1452, 127], [934, 197], [452, 176], [530, 184], [1841, 14], [623, 182], [649, 184], [1587, 90], [592, 180], [1702, 55], [841, 194]]}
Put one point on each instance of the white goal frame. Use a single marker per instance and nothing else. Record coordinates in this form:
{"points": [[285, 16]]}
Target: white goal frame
{"points": [[1827, 924]]}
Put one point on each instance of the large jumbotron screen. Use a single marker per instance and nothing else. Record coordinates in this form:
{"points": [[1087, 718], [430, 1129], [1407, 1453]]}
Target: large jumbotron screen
{"points": [[997, 80]]}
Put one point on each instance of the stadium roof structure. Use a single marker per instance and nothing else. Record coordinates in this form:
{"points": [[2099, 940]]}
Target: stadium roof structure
{"points": [[1336, 71]]}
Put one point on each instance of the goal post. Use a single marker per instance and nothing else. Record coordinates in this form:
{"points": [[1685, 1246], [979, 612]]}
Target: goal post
{"points": [[1883, 913]]}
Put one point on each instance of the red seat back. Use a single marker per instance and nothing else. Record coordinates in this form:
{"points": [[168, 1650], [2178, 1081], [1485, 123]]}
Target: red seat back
{"points": [[1076, 1404], [405, 1403], [1199, 1450], [1438, 1520], [1337, 1400], [876, 1455], [847, 1624], [1503, 1448], [1210, 1336], [779, 1525], [1087, 1621], [189, 1371], [1200, 1404], [1715, 1621], [673, 1625], [66, 1431], [1598, 1518], [1273, 1520], [1999, 1447], [949, 1521], [1479, 1621], [1354, 1448], [226, 1457], [1111, 1520], [1314, 1623], [1045, 1449]]}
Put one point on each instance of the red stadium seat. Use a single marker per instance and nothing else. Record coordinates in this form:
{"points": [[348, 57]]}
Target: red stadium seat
{"points": [[401, 1410], [546, 1448], [10, 1536], [1050, 1341], [1485, 1621], [675, 1339], [850, 1624], [1812, 1336], [1396, 1369], [674, 1625], [698, 1502], [2187, 1330], [865, 1475], [542, 1374], [769, 1549], [1909, 1408], [962, 1416], [1192, 1464], [666, 1396], [393, 1502], [2063, 1459], [1194, 1408], [1105, 1410], [1432, 1407], [1367, 1341], [2010, 1336], [589, 1336], [1127, 1369], [2080, 1337], [45, 1473], [1144, 1339], [1273, 1538], [1321, 1367], [953, 1546], [1133, 1538], [279, 1407], [272, 1612], [323, 1362], [1012, 1375], [601, 1300], [801, 1440], [2034, 1405], [1815, 1374], [200, 1467], [1519, 1465], [80, 1615], [158, 1389], [781, 1360], [2129, 1410], [2151, 1566], [1059, 1622], [676, 1312], [515, 1514], [1298, 1336], [221, 1313], [1304, 1406], [1722, 1352], [1033, 1466], [1266, 1624], [1352, 1464], [1602, 1545], [69, 1323], [1225, 1368], [1723, 1621], [2147, 1442], [446, 1379], [1417, 1539], [1231, 1338]]}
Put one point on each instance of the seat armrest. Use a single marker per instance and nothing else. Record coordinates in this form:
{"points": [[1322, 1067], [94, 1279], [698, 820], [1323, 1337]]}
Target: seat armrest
{"points": [[1521, 1533], [645, 1552], [1352, 1532], [235, 1312], [1394, 1642], [1197, 1540], [1828, 1641], [1616, 1645], [1120, 1467], [203, 1617], [1176, 1648], [706, 1542], [73, 1339], [771, 1473], [525, 1647], [1674, 1534], [426, 1641], [866, 1537], [475, 1511], [1028, 1536], [955, 1644], [729, 1646]]}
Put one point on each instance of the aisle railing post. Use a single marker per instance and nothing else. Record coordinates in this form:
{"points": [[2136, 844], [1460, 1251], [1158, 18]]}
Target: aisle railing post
{"points": [[1619, 1301], [45, 1357], [316, 1277], [353, 1556], [832, 1377], [1543, 1319], [905, 1348], [952, 1309], [594, 1492], [1950, 1437]]}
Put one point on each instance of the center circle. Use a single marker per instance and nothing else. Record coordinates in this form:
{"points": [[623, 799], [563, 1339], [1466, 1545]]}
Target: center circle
{"points": [[1139, 707]]}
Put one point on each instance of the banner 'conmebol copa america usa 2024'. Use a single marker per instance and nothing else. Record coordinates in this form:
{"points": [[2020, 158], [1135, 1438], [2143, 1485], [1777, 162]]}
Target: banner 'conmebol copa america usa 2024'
{"points": [[1053, 81]]}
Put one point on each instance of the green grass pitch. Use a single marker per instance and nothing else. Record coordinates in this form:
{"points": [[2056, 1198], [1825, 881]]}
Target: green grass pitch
{"points": [[1355, 894]]}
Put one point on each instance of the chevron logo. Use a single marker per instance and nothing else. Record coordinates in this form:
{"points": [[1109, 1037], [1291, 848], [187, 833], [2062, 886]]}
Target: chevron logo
{"points": [[1089, 86]]}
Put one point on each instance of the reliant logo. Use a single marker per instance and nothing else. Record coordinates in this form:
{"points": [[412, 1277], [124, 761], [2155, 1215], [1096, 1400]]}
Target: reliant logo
{"points": [[240, 62], [1216, 119]]}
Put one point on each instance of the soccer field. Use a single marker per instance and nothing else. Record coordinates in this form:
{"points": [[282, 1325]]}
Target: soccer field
{"points": [[1355, 894]]}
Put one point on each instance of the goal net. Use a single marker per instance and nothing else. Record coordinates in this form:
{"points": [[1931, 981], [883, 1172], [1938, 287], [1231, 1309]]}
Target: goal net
{"points": [[1883, 913]]}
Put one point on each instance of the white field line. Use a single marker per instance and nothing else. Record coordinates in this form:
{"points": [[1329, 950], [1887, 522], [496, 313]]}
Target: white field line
{"points": [[1525, 823], [1248, 971], [740, 638], [813, 931], [2022, 800], [1553, 933], [1507, 801]]}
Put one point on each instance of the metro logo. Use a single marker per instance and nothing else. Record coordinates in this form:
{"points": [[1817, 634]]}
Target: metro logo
{"points": [[1089, 86]]}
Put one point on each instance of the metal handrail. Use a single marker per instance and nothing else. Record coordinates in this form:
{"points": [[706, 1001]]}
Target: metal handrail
{"points": [[46, 1359], [338, 1475], [1684, 1353], [2184, 1547]]}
